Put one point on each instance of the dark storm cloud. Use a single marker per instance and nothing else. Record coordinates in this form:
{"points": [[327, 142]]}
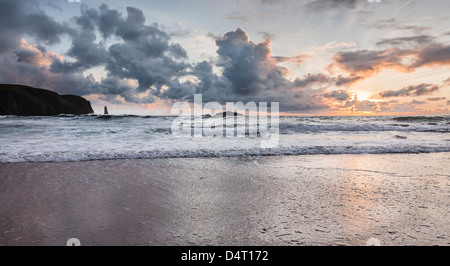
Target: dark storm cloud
{"points": [[107, 20], [250, 73], [85, 50], [140, 62], [417, 90], [45, 28], [29, 71], [247, 65], [145, 53], [141, 43], [19, 17], [211, 86], [23, 63]]}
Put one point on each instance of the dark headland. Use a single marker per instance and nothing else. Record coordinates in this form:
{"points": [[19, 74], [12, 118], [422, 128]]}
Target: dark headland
{"points": [[27, 101]]}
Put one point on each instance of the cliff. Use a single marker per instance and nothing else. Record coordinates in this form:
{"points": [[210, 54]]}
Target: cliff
{"points": [[28, 101]]}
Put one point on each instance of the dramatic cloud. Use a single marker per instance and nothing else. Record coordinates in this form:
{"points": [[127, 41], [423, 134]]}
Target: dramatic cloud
{"points": [[250, 72], [366, 63], [19, 17], [136, 61], [25, 63], [418, 90], [28, 65], [249, 66], [144, 53], [34, 55], [140, 62]]}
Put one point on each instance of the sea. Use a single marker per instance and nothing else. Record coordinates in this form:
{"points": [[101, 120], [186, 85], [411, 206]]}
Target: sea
{"points": [[68, 138]]}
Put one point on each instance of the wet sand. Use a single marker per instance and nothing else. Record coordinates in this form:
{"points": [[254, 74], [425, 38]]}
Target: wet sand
{"points": [[400, 199]]}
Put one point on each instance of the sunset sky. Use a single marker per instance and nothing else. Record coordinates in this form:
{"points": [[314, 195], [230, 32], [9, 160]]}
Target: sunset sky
{"points": [[315, 57]]}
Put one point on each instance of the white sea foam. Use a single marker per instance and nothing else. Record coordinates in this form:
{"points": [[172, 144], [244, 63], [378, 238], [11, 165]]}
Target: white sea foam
{"points": [[110, 155], [76, 138]]}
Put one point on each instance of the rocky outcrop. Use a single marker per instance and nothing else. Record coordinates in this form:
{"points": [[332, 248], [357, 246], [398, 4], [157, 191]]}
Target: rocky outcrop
{"points": [[27, 101]]}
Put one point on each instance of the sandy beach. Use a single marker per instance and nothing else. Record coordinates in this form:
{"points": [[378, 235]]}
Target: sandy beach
{"points": [[400, 199]]}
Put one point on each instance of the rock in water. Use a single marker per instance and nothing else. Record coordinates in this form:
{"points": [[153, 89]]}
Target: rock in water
{"points": [[28, 101]]}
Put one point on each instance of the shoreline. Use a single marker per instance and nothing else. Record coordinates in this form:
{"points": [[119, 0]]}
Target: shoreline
{"points": [[231, 156], [401, 199]]}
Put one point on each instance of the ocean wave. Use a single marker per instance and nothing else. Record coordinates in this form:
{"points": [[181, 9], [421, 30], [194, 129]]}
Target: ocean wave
{"points": [[66, 115], [290, 127], [165, 131], [97, 137], [419, 118], [205, 153], [112, 117]]}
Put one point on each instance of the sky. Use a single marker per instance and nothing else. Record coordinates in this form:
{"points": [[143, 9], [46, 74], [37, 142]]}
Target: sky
{"points": [[314, 57]]}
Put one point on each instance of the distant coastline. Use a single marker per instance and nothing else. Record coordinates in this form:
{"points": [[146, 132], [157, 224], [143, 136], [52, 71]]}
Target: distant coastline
{"points": [[28, 101]]}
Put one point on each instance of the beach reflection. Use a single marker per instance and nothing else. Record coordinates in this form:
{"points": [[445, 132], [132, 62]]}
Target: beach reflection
{"points": [[300, 200]]}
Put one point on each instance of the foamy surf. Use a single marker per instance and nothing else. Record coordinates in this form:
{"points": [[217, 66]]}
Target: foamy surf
{"points": [[68, 156], [83, 138]]}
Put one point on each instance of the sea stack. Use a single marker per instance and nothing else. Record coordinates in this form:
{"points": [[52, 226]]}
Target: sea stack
{"points": [[27, 101]]}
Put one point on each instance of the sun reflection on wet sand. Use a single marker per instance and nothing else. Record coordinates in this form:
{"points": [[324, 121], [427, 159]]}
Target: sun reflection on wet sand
{"points": [[400, 199]]}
